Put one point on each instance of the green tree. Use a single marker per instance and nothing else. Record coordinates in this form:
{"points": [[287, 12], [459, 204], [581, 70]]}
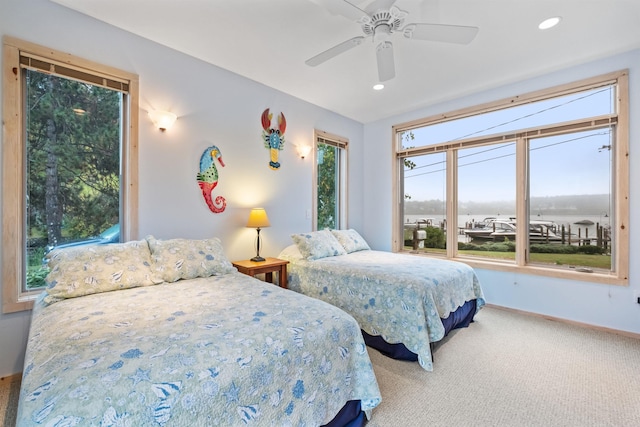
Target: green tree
{"points": [[327, 186], [73, 156], [408, 164]]}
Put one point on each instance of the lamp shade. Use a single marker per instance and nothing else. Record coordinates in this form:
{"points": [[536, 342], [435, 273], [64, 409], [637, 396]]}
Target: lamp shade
{"points": [[258, 218], [303, 150], [162, 119]]}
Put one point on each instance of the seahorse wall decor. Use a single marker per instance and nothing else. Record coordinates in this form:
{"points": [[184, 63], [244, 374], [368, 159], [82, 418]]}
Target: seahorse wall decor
{"points": [[273, 138], [208, 178]]}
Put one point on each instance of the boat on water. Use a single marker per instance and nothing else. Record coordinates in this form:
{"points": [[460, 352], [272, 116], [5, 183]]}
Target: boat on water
{"points": [[538, 233], [584, 222], [426, 221], [483, 229], [500, 230]]}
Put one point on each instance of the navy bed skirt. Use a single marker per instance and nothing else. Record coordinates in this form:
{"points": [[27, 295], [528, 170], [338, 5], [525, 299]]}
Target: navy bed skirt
{"points": [[351, 415], [461, 318]]}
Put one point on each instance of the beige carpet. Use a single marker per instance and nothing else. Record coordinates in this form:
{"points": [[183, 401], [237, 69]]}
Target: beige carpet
{"points": [[510, 369], [506, 369]]}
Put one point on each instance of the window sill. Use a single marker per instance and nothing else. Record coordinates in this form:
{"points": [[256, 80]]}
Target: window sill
{"points": [[560, 272], [25, 302]]}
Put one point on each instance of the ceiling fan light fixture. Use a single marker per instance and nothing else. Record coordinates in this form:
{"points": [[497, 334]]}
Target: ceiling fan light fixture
{"points": [[378, 86], [378, 21], [549, 23], [381, 33]]}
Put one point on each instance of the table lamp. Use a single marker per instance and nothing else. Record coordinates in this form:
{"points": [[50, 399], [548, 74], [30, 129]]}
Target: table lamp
{"points": [[258, 219]]}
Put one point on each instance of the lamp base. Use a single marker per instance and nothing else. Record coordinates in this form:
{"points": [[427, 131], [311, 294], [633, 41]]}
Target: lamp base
{"points": [[257, 259]]}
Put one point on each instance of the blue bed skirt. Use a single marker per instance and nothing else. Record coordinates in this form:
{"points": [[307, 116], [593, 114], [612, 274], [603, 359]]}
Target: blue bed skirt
{"points": [[350, 415], [461, 318]]}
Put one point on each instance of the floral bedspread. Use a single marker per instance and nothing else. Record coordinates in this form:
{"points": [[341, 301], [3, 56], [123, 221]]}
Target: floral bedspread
{"points": [[399, 297], [222, 351]]}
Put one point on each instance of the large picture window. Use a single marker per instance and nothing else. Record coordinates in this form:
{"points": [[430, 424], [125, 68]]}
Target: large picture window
{"points": [[68, 153], [536, 183]]}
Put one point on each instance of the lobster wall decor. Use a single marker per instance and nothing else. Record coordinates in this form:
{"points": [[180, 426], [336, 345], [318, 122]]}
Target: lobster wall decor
{"points": [[208, 178], [273, 138]]}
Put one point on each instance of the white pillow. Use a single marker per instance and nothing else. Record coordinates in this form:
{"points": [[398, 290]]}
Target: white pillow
{"points": [[290, 253], [351, 240], [318, 244]]}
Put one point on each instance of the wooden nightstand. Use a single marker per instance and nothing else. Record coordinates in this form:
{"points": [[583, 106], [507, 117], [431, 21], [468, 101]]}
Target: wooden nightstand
{"points": [[268, 266]]}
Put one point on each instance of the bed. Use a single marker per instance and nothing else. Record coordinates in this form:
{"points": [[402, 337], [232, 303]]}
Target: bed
{"points": [[179, 337], [403, 303]]}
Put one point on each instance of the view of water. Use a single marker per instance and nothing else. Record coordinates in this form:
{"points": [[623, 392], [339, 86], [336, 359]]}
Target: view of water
{"points": [[560, 220]]}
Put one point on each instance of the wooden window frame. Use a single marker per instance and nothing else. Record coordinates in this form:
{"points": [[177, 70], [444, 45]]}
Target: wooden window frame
{"points": [[342, 143], [13, 161], [620, 119]]}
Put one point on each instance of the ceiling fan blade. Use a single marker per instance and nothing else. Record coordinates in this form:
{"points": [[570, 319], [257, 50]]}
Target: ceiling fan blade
{"points": [[386, 64], [334, 51], [346, 9], [377, 5], [441, 33]]}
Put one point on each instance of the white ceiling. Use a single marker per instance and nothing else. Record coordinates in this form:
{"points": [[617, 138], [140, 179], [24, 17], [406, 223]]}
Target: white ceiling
{"points": [[269, 40]]}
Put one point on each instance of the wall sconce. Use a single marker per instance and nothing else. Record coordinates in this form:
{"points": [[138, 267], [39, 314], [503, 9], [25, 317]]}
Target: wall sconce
{"points": [[162, 119], [303, 150], [258, 219]]}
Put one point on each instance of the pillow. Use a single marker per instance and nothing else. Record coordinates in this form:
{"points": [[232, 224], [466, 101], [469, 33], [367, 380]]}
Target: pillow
{"points": [[187, 259], [75, 272], [351, 240], [290, 253], [317, 244]]}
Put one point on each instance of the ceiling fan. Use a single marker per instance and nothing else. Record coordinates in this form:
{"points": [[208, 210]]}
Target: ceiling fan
{"points": [[380, 20]]}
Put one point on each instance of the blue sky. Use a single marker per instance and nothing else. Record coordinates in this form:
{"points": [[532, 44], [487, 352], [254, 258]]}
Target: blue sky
{"points": [[561, 165]]}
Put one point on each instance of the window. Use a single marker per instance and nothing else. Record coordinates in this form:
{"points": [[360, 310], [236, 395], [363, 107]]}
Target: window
{"points": [[69, 160], [330, 189], [426, 206], [535, 184]]}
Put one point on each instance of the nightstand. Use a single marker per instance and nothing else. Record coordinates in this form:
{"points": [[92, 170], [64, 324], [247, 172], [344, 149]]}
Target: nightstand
{"points": [[268, 266]]}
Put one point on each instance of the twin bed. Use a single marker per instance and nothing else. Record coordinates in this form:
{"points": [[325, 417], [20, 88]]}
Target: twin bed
{"points": [[403, 303], [168, 333], [165, 333]]}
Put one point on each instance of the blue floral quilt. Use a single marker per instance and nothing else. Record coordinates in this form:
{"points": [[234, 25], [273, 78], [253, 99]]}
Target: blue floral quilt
{"points": [[220, 351], [396, 296]]}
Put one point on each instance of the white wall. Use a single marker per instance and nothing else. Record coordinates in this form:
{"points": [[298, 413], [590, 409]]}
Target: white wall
{"points": [[214, 107], [601, 305]]}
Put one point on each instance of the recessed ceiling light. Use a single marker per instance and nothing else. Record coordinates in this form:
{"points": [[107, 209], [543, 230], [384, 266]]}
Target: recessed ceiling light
{"points": [[379, 86], [548, 23]]}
